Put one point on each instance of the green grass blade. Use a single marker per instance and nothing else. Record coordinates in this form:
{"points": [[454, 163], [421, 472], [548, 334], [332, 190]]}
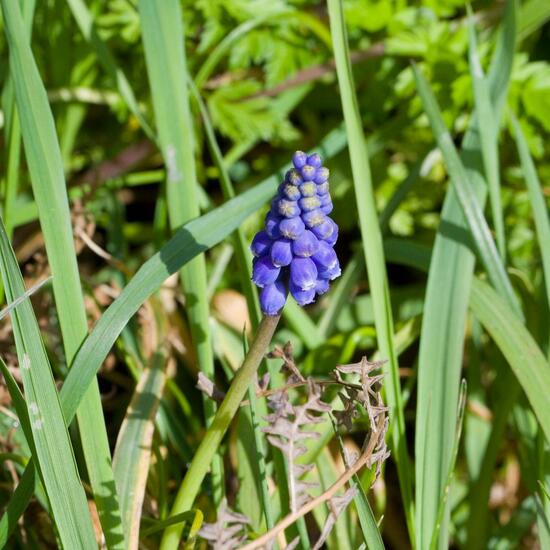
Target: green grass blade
{"points": [[465, 192], [518, 347], [25, 295], [46, 169], [374, 253], [163, 41], [446, 491], [488, 136], [85, 21], [132, 454], [18, 401], [538, 203], [54, 453], [445, 308]]}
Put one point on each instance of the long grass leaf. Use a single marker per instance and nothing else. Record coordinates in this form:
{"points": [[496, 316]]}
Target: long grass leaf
{"points": [[465, 193], [374, 253], [488, 136], [132, 454], [518, 347], [54, 453], [538, 203], [445, 308], [46, 169]]}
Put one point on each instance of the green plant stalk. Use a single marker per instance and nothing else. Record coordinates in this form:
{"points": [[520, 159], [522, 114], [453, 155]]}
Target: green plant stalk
{"points": [[163, 40], [46, 169], [374, 253], [212, 438]]}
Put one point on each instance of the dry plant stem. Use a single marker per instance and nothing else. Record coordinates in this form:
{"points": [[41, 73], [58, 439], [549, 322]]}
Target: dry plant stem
{"points": [[327, 495], [200, 464]]}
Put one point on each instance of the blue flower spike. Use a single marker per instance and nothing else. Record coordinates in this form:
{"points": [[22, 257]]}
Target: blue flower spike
{"points": [[295, 250]]}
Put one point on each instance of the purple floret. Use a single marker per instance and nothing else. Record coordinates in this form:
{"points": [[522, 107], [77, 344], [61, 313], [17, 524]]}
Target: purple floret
{"points": [[294, 252], [273, 298]]}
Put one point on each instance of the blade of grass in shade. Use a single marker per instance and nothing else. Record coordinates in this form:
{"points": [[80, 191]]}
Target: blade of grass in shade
{"points": [[374, 253], [538, 202], [54, 453], [518, 347], [445, 308], [447, 489], [477, 224], [367, 521], [193, 516], [46, 170], [86, 24], [132, 454], [192, 239], [18, 401], [163, 41], [488, 136], [477, 525]]}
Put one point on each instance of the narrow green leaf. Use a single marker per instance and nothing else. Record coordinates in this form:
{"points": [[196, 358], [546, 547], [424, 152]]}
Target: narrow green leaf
{"points": [[518, 347], [132, 454], [46, 169], [538, 202], [54, 453], [374, 253], [488, 135], [465, 192]]}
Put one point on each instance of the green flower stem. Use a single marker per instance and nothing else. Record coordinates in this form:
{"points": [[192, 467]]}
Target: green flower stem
{"points": [[200, 464]]}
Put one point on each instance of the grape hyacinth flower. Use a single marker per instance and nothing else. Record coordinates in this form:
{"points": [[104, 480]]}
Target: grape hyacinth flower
{"points": [[295, 250]]}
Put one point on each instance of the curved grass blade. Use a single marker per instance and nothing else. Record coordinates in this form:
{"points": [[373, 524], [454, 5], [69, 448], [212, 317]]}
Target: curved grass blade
{"points": [[518, 347], [54, 453], [48, 182], [132, 454], [538, 202], [488, 136], [445, 308], [25, 295], [374, 253], [465, 193]]}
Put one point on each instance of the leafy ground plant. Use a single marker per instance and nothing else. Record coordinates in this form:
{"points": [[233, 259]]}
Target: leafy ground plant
{"points": [[212, 212]]}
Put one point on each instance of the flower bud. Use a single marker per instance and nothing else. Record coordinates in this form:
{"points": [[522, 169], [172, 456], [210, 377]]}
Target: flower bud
{"points": [[272, 225], [321, 176], [302, 297], [314, 160], [264, 272], [291, 228], [291, 192], [281, 252], [287, 208], [305, 245], [313, 218], [309, 203], [299, 159], [303, 273], [260, 244], [273, 298], [308, 172], [308, 189]]}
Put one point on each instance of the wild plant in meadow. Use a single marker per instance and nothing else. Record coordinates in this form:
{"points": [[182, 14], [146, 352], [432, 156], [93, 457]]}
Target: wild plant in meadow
{"points": [[295, 250]]}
